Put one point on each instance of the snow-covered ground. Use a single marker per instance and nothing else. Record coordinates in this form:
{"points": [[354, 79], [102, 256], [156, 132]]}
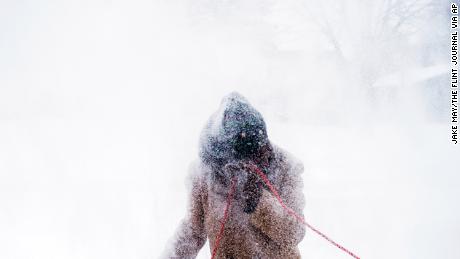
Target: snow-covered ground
{"points": [[102, 103]]}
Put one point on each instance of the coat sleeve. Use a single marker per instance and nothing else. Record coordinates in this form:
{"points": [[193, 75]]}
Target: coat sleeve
{"points": [[190, 235], [273, 220]]}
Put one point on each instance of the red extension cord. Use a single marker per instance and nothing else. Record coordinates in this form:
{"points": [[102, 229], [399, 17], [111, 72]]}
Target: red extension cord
{"points": [[290, 211]]}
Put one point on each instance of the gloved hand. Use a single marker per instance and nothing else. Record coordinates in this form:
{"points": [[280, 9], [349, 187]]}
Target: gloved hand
{"points": [[248, 186], [251, 193]]}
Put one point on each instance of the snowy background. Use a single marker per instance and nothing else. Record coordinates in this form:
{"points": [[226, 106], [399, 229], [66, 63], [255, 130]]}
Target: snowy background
{"points": [[102, 102]]}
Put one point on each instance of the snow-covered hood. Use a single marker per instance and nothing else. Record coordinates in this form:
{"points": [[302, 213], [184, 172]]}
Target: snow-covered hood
{"points": [[235, 131]]}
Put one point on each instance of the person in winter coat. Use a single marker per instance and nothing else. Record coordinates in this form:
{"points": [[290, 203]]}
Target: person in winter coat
{"points": [[234, 139]]}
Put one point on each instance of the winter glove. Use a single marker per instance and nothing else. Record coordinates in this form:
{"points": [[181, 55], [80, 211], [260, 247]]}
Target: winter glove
{"points": [[251, 193], [248, 184]]}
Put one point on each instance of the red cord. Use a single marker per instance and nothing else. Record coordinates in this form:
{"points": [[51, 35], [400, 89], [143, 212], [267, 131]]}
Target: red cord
{"points": [[224, 220], [293, 213], [290, 211]]}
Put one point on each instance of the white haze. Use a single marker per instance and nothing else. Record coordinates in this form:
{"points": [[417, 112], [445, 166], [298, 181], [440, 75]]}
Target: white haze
{"points": [[102, 102]]}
